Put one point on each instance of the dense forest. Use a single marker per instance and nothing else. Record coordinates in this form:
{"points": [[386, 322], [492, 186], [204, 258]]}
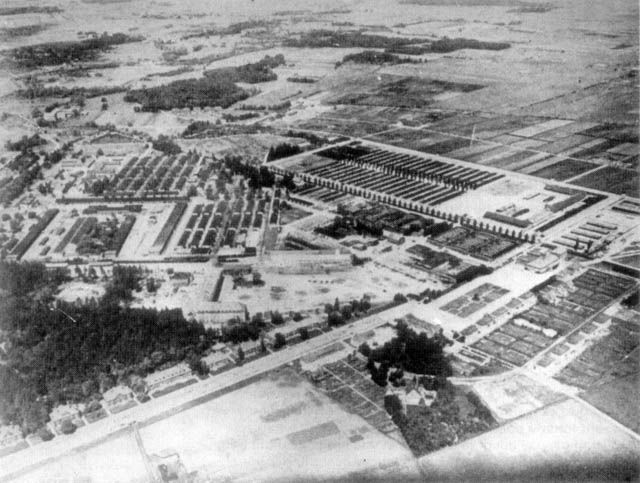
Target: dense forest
{"points": [[63, 352], [58, 53], [25, 143], [233, 29], [377, 58], [251, 73], [348, 39], [36, 89], [398, 45], [202, 92], [217, 87], [447, 45]]}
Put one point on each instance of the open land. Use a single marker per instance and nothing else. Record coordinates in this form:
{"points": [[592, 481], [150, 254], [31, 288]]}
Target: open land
{"points": [[398, 236]]}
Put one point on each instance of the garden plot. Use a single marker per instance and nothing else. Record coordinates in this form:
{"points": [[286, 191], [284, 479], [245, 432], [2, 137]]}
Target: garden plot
{"points": [[474, 300], [515, 277]]}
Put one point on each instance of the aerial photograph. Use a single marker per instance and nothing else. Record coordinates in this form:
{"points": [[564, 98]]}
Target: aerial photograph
{"points": [[319, 241]]}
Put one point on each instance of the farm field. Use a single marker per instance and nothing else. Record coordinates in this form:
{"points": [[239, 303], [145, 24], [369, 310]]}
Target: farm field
{"points": [[614, 180], [265, 186]]}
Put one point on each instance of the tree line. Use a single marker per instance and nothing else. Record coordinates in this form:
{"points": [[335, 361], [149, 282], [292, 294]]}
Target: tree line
{"points": [[58, 352]]}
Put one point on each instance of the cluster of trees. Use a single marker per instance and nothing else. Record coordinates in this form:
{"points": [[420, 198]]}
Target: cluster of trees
{"points": [[99, 186], [435, 229], [313, 138], [243, 116], [279, 340], [25, 143], [338, 314], [166, 145], [427, 429], [376, 57], [241, 332], [26, 163], [232, 29], [218, 129], [447, 45], [28, 171], [217, 87], [55, 156], [100, 236], [35, 89], [29, 9], [259, 177], [280, 106], [343, 226], [632, 300], [63, 352], [282, 150], [392, 45], [125, 280], [302, 79], [251, 73], [348, 39], [58, 53], [409, 351], [202, 92], [471, 273]]}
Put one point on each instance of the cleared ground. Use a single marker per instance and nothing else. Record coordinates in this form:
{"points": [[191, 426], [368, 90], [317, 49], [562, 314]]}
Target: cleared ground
{"points": [[248, 435]]}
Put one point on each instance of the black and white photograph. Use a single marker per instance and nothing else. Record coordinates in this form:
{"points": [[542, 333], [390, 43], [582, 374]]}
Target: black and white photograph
{"points": [[299, 241]]}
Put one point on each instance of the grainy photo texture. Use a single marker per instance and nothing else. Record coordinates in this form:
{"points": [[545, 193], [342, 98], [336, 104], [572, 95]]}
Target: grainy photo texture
{"points": [[319, 241]]}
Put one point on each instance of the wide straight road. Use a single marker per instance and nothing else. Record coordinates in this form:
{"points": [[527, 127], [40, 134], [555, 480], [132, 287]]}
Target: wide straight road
{"points": [[155, 410]]}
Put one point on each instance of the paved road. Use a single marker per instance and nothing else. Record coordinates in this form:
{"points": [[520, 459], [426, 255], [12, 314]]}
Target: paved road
{"points": [[157, 409]]}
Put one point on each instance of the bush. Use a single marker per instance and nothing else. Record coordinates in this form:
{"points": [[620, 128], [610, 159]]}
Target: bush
{"points": [[277, 318], [279, 341], [67, 427], [335, 318], [44, 434], [399, 298], [166, 145]]}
